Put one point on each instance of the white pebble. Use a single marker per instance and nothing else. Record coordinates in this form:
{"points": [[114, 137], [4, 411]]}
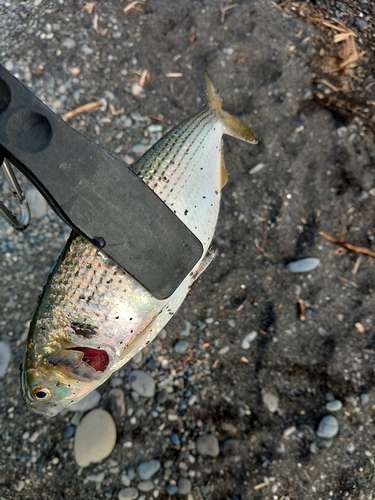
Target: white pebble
{"points": [[256, 168], [328, 427], [290, 430], [224, 350], [245, 344], [303, 265], [87, 403], [5, 357], [95, 438], [128, 494], [271, 401]]}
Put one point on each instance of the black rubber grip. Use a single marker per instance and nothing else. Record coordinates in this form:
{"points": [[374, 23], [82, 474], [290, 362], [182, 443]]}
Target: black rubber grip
{"points": [[95, 192]]}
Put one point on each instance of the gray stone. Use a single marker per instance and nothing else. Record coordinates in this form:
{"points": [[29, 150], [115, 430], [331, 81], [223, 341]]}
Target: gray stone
{"points": [[128, 494], [303, 265], [148, 469], [184, 486], [334, 405], [142, 383], [87, 403], [95, 438], [181, 346], [5, 358], [328, 427], [208, 445], [145, 486], [171, 489]]}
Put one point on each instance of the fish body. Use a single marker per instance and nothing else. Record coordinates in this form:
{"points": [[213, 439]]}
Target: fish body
{"points": [[93, 317]]}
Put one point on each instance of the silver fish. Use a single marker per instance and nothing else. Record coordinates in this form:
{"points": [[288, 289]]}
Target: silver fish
{"points": [[92, 316]]}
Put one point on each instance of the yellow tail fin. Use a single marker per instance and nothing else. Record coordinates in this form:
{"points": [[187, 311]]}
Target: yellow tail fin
{"points": [[232, 125]]}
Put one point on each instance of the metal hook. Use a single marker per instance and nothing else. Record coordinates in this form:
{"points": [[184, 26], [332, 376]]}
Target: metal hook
{"points": [[22, 224]]}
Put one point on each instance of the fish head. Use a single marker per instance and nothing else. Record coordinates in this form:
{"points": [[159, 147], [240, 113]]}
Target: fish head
{"points": [[61, 378]]}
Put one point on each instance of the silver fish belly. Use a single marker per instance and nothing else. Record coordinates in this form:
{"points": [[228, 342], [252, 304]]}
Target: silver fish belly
{"points": [[92, 316]]}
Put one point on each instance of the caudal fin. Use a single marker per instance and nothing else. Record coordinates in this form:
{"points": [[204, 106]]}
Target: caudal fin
{"points": [[232, 125]]}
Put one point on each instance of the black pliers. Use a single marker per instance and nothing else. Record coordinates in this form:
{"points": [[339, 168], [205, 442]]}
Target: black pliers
{"points": [[93, 191]]}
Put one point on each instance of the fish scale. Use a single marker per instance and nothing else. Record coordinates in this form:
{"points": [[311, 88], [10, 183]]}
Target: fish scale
{"points": [[92, 316]]}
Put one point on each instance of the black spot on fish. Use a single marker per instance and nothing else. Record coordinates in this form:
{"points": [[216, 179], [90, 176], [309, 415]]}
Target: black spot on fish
{"points": [[84, 330]]}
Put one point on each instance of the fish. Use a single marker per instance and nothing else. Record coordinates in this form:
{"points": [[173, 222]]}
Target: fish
{"points": [[92, 316]]}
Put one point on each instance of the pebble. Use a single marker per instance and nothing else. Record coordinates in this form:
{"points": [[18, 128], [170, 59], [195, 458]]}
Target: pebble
{"points": [[38, 205], [184, 486], [187, 328], [271, 401], [142, 383], [116, 402], [256, 168], [303, 265], [334, 405], [171, 489], [328, 427], [148, 469], [208, 445], [145, 486], [97, 423], [5, 357], [87, 403], [128, 494], [246, 341], [181, 346]]}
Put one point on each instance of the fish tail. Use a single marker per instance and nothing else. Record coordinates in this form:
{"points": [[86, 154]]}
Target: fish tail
{"points": [[232, 125]]}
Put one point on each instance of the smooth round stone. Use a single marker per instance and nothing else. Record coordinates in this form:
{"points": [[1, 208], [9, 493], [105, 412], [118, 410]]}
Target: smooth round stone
{"points": [[128, 494], [145, 486], [5, 357], [87, 403], [148, 469], [208, 445], [270, 401], [184, 486], [246, 342], [171, 489], [328, 427], [38, 205], [181, 346], [303, 265], [142, 383], [334, 405], [95, 438]]}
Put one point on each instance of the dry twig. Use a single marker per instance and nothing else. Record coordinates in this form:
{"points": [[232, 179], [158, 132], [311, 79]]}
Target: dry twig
{"points": [[348, 246], [82, 109]]}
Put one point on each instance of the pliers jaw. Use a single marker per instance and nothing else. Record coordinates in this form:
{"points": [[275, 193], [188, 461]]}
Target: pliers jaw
{"points": [[94, 192]]}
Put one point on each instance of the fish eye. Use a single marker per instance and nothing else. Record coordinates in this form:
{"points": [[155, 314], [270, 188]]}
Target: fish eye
{"points": [[41, 394]]}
